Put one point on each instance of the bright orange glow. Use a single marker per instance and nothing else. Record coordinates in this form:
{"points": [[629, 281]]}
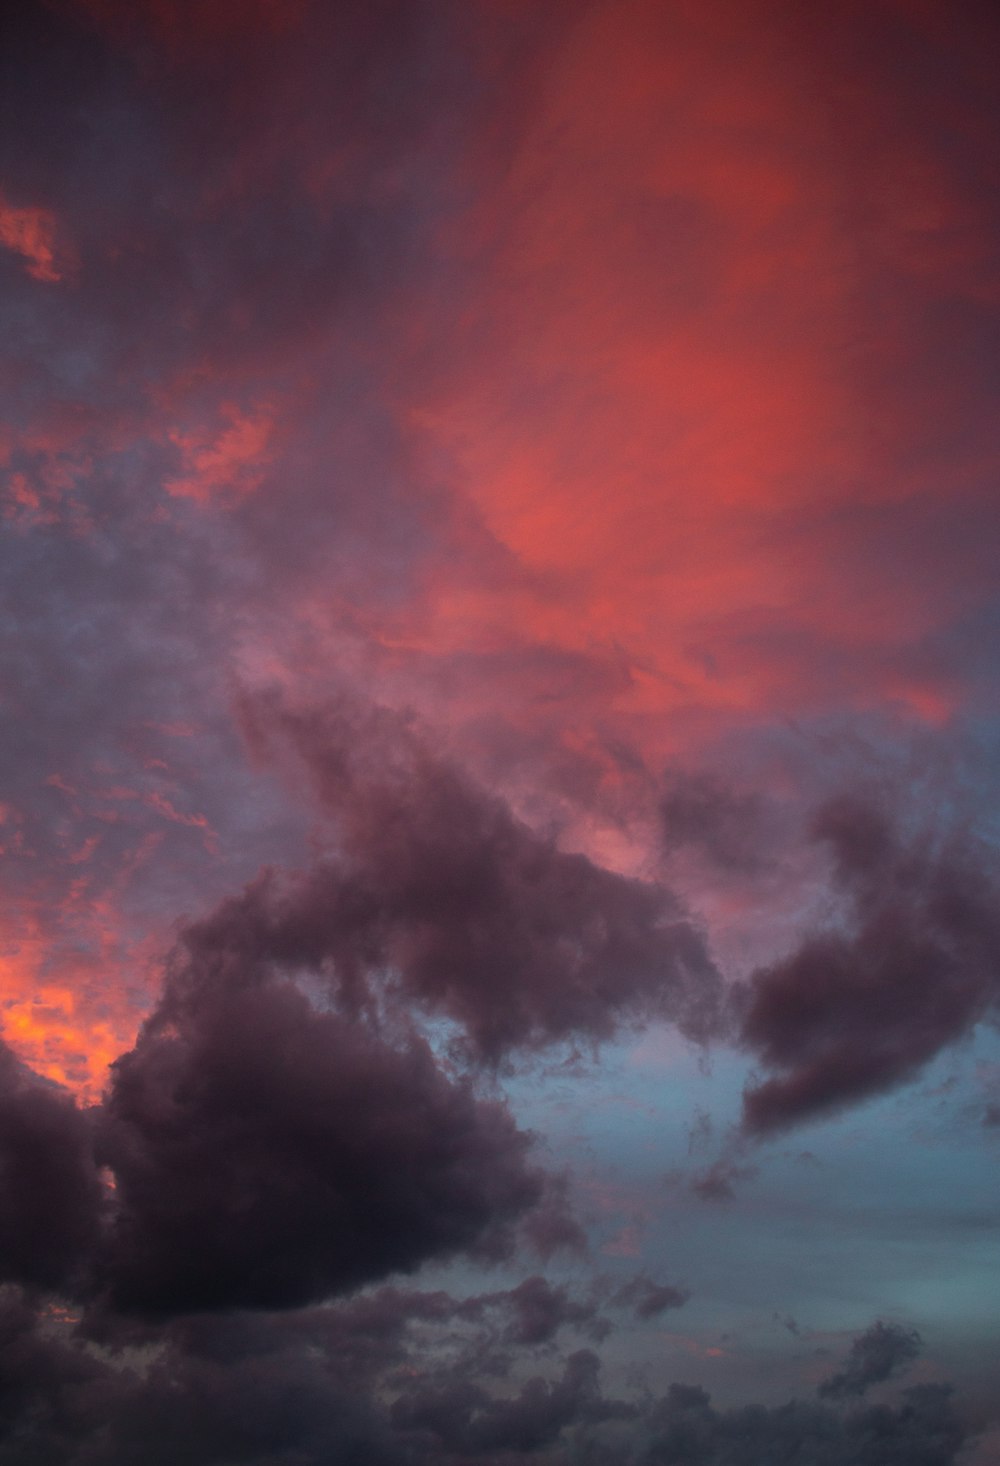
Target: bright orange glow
{"points": [[50, 1034], [65, 1027], [74, 979]]}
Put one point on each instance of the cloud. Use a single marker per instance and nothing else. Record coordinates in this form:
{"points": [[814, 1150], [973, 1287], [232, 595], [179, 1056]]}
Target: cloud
{"points": [[62, 1404], [859, 1008], [473, 914], [391, 1378], [924, 1430], [50, 1192], [234, 462], [556, 370], [280, 1132], [31, 233], [464, 1419], [267, 1153], [731, 830], [716, 1182], [648, 1299], [540, 1310], [351, 219], [876, 1355], [54, 1394]]}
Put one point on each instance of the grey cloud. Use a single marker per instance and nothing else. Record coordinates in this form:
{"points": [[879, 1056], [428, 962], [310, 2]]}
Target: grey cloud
{"points": [[923, 1430], [876, 1355], [648, 1299]]}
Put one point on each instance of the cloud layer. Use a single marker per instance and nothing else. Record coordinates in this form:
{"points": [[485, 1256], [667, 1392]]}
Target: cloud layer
{"points": [[498, 556]]}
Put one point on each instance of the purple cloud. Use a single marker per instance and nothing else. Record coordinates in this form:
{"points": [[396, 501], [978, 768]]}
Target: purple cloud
{"points": [[860, 1007]]}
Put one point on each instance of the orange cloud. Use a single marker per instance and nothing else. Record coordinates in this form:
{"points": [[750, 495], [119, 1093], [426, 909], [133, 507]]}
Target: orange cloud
{"points": [[61, 1011]]}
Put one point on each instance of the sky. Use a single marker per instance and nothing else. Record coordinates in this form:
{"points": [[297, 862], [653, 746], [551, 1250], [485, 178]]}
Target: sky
{"points": [[499, 823]]}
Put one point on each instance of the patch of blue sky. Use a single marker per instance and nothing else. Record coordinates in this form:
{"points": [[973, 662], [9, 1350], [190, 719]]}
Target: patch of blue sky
{"points": [[887, 1210]]}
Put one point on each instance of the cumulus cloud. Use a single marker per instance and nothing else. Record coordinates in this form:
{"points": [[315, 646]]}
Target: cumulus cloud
{"points": [[267, 1153]]}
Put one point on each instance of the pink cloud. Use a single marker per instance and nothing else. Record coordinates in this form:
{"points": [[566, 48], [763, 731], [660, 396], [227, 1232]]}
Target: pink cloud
{"points": [[31, 233], [229, 463]]}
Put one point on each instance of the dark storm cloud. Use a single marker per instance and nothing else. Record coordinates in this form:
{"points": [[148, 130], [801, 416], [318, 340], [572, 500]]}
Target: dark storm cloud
{"points": [[50, 1195], [858, 1008], [267, 1154], [874, 1356], [480, 918]]}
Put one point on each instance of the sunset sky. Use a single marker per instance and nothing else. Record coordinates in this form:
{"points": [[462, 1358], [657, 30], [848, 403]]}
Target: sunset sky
{"points": [[500, 533]]}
